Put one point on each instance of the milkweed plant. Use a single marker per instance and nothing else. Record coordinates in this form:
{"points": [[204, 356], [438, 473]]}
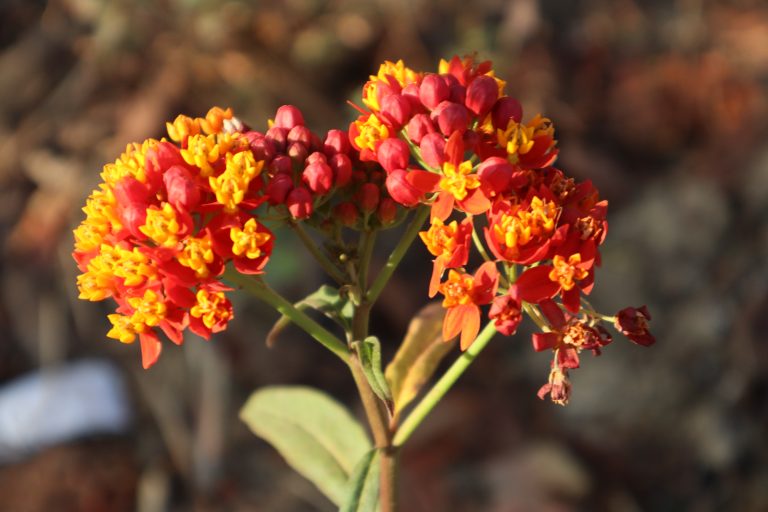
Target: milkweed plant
{"points": [[179, 224]]}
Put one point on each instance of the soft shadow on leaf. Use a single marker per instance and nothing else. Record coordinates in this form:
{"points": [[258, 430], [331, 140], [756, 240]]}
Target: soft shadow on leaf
{"points": [[315, 434]]}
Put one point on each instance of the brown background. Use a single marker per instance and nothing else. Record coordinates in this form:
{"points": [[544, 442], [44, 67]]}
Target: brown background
{"points": [[661, 104]]}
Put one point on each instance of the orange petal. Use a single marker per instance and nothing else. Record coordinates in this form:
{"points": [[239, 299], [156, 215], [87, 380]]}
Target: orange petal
{"points": [[471, 325], [443, 206], [150, 348], [452, 323], [475, 203], [423, 181], [437, 274]]}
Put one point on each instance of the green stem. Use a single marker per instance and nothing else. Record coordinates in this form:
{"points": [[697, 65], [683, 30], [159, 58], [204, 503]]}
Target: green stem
{"points": [[321, 258], [259, 289], [397, 254], [442, 386], [535, 315], [365, 252]]}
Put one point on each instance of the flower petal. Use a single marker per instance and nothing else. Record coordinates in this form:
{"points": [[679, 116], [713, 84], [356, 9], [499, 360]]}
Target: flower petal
{"points": [[535, 285]]}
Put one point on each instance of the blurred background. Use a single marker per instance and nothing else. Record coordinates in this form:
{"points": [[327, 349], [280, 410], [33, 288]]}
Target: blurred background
{"points": [[661, 103]]}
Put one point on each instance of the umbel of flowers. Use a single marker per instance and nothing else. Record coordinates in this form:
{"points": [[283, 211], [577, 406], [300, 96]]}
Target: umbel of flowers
{"points": [[172, 214]]}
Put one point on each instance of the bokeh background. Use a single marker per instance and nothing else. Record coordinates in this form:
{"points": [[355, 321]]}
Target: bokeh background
{"points": [[661, 103]]}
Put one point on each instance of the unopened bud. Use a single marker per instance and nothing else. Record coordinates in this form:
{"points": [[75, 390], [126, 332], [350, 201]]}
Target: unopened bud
{"points": [[183, 192], [396, 109], [261, 147], [342, 169], [300, 134], [481, 95], [433, 149], [401, 190], [346, 213], [368, 197], [495, 174], [392, 154], [281, 164], [387, 211], [451, 117], [279, 138], [337, 141], [506, 108], [433, 90], [298, 152], [288, 117], [316, 157], [456, 92], [299, 202], [318, 177], [278, 188], [419, 126]]}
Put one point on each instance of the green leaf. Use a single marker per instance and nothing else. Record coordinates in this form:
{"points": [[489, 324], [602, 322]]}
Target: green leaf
{"points": [[316, 435], [418, 356], [370, 358], [363, 486], [327, 300]]}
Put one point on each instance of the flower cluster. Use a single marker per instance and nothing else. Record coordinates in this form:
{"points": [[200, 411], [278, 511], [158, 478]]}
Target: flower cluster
{"points": [[454, 141], [171, 214], [164, 222]]}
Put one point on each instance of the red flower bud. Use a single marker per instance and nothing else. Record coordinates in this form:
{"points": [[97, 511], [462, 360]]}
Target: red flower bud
{"points": [[396, 110], [299, 202], [451, 117], [401, 190], [456, 92], [281, 165], [433, 90], [368, 197], [278, 188], [411, 93], [298, 152], [337, 141], [495, 174], [261, 147], [419, 126], [318, 177], [279, 138], [387, 211], [342, 169], [346, 213], [433, 149], [183, 192], [300, 134], [288, 117], [133, 216], [392, 154], [482, 93], [316, 157], [506, 108], [129, 190]]}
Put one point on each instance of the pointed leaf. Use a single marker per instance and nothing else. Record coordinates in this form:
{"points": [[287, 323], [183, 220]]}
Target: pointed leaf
{"points": [[363, 487], [316, 435], [370, 357], [418, 356]]}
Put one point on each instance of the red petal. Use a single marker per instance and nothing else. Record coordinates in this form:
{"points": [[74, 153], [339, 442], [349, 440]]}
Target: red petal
{"points": [[535, 285], [486, 282], [452, 323], [424, 181], [454, 148], [544, 340], [553, 313], [571, 300], [475, 202]]}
